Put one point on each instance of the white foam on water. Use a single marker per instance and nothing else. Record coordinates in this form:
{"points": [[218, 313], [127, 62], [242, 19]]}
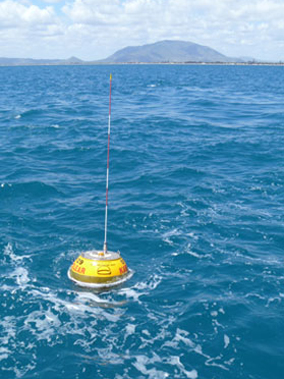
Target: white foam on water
{"points": [[183, 337], [166, 237], [17, 273], [95, 299], [146, 332], [22, 276], [272, 300], [42, 324], [96, 310], [230, 361], [4, 353], [78, 307], [8, 324], [168, 241], [226, 341], [141, 365], [109, 357], [73, 307], [250, 294], [47, 325], [18, 116], [267, 260], [192, 235], [212, 362], [141, 288], [129, 330], [196, 255], [175, 361], [52, 318], [162, 334], [84, 343], [132, 294], [152, 284], [21, 371], [8, 251], [180, 336], [188, 251]]}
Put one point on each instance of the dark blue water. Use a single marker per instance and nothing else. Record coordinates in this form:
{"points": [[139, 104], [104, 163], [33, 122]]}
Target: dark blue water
{"points": [[196, 209]]}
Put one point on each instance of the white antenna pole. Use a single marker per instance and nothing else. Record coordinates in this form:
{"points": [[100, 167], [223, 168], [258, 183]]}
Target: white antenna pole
{"points": [[107, 176]]}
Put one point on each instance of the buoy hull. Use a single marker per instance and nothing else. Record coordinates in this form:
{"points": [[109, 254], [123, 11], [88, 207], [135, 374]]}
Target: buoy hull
{"points": [[94, 267]]}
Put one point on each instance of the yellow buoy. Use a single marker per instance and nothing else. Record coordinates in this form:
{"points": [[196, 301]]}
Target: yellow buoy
{"points": [[100, 268]]}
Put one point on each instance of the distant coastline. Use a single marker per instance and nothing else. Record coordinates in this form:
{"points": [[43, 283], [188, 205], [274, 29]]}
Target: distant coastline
{"points": [[146, 63], [167, 52]]}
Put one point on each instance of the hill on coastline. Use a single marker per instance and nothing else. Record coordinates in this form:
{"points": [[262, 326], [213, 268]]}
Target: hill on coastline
{"points": [[158, 52], [168, 51], [30, 61]]}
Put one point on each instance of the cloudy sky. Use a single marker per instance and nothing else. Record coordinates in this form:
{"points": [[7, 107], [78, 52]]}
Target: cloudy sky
{"points": [[94, 29]]}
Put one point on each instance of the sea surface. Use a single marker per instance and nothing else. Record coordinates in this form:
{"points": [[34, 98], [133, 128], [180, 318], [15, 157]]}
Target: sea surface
{"points": [[196, 208]]}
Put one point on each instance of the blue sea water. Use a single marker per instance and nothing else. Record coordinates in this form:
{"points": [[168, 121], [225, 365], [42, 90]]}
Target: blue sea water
{"points": [[196, 207]]}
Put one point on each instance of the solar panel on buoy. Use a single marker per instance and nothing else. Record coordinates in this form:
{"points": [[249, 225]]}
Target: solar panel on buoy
{"points": [[100, 268]]}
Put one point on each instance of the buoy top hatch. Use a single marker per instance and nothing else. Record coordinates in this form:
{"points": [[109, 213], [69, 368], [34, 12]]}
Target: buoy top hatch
{"points": [[100, 255]]}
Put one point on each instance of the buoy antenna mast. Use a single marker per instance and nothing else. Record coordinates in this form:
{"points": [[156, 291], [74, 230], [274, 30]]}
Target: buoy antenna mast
{"points": [[107, 175], [100, 268]]}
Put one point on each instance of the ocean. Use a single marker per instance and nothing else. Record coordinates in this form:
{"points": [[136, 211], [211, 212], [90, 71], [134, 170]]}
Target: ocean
{"points": [[196, 208]]}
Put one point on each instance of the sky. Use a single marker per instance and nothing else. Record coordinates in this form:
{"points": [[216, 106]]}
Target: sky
{"points": [[95, 29]]}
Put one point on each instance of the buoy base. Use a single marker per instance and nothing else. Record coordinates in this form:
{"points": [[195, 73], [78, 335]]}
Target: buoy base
{"points": [[97, 269]]}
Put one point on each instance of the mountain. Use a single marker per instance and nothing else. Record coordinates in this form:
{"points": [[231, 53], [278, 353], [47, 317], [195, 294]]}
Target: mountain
{"points": [[168, 51], [73, 60], [29, 61]]}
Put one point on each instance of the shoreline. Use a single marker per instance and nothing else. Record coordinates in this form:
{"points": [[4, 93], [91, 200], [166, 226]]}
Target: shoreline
{"points": [[146, 63]]}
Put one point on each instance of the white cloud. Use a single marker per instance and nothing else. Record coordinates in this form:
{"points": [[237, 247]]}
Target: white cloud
{"points": [[93, 29], [229, 26], [15, 14], [25, 28], [53, 1]]}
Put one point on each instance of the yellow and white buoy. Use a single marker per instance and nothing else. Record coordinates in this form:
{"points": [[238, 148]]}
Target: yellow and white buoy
{"points": [[100, 268], [96, 269]]}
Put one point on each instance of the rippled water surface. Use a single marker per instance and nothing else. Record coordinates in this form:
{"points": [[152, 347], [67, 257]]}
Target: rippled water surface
{"points": [[196, 208]]}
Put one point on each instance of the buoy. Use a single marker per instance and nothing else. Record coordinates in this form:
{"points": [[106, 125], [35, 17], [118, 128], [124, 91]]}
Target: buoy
{"points": [[100, 268], [96, 269]]}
